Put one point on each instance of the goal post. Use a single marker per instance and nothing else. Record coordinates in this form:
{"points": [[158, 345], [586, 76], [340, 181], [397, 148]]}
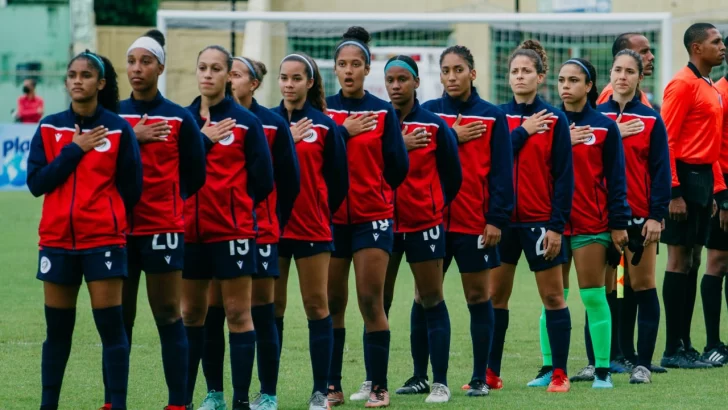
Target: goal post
{"points": [[491, 36]]}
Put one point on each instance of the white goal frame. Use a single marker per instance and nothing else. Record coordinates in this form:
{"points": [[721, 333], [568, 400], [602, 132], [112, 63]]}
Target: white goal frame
{"points": [[664, 19]]}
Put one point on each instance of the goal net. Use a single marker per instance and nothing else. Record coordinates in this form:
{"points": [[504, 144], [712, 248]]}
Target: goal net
{"points": [[269, 36]]}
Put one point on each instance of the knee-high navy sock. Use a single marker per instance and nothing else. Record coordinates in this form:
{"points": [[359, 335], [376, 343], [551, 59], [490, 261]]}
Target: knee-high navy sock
{"points": [[279, 326], [691, 292], [366, 354], [481, 333], [378, 345], [320, 346], [195, 340], [627, 320], [438, 335], [588, 341], [115, 347], [614, 313], [419, 346], [56, 349], [268, 349], [213, 348], [337, 358], [558, 326], [502, 317], [673, 297], [129, 328], [710, 290], [175, 353], [242, 356], [648, 323]]}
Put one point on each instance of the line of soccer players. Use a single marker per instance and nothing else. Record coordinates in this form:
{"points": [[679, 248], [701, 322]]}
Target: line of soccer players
{"points": [[213, 201]]}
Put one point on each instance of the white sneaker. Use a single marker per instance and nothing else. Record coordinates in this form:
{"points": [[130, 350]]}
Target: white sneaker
{"points": [[440, 394], [318, 401], [363, 393]]}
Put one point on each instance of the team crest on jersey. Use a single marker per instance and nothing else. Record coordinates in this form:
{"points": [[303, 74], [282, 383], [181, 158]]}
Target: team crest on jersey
{"points": [[105, 145], [228, 140], [592, 139], [312, 136]]}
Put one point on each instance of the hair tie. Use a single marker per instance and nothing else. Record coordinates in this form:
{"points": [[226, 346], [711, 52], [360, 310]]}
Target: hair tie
{"points": [[358, 44], [149, 44], [249, 65], [300, 57], [99, 61], [580, 64], [400, 63]]}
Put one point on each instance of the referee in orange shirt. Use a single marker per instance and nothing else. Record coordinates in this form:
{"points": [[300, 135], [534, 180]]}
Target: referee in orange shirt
{"points": [[693, 114]]}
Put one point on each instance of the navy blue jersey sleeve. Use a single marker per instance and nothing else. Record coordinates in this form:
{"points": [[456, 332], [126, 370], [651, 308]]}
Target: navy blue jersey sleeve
{"points": [[335, 169], [258, 162], [44, 177], [519, 136], [129, 168], [448, 162], [192, 164], [500, 178], [343, 132], [614, 171], [660, 175], [562, 171], [285, 171], [394, 152]]}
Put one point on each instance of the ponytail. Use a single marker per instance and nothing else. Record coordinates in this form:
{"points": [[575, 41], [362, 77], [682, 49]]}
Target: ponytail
{"points": [[108, 97]]}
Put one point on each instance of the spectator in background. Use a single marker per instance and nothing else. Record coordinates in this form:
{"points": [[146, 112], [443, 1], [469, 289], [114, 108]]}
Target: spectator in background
{"points": [[30, 106]]}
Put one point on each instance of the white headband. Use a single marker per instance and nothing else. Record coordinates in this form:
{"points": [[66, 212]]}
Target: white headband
{"points": [[150, 45], [301, 58]]}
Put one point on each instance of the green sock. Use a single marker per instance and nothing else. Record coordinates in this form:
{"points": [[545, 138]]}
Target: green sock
{"points": [[600, 323], [543, 335]]}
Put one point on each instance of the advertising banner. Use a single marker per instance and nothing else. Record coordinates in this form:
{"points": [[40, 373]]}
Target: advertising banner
{"points": [[15, 143]]}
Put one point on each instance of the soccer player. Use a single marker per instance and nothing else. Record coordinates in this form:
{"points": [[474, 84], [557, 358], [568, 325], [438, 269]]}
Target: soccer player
{"points": [[378, 164], [600, 213], [544, 181], [717, 245], [474, 220], [220, 227], [86, 163], [433, 182], [693, 113], [246, 77], [648, 194], [173, 159], [324, 183]]}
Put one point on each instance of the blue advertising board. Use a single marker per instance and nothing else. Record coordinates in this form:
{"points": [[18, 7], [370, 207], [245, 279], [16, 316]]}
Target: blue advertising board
{"points": [[15, 143]]}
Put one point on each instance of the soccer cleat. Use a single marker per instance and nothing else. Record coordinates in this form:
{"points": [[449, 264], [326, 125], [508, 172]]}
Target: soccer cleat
{"points": [[602, 379], [717, 356], [264, 402], [214, 401], [493, 381], [559, 382], [364, 392], [465, 387], [440, 394], [478, 388], [640, 375], [106, 406], [335, 397], [318, 401], [620, 365], [585, 375], [414, 385], [241, 405], [683, 360], [654, 368], [543, 378], [377, 398]]}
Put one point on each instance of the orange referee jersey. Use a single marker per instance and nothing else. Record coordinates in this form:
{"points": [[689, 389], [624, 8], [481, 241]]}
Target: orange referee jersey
{"points": [[722, 86], [608, 91], [693, 113]]}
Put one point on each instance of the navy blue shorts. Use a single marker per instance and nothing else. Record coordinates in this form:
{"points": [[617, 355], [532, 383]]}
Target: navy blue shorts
{"points": [[517, 239], [63, 268], [469, 253], [220, 260], [158, 253], [267, 262], [349, 239], [421, 246], [297, 249]]}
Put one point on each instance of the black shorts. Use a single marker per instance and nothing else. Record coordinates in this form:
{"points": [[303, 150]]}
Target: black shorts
{"points": [[469, 253], [297, 249], [349, 239], [65, 268], [690, 232], [220, 260], [267, 262], [529, 239], [422, 246], [158, 253], [717, 238]]}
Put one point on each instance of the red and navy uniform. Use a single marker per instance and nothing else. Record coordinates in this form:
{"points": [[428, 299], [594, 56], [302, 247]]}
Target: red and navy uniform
{"points": [[543, 177], [324, 185], [433, 181], [220, 223], [173, 170], [486, 194], [647, 160], [378, 164], [274, 212], [83, 224], [600, 186]]}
